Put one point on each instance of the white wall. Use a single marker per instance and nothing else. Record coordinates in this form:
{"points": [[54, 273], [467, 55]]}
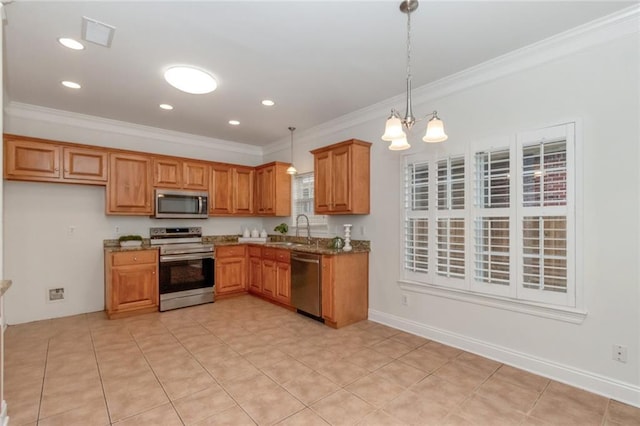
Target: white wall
{"points": [[599, 86]]}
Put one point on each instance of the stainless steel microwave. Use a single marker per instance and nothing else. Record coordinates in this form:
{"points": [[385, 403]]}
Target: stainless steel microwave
{"points": [[177, 204]]}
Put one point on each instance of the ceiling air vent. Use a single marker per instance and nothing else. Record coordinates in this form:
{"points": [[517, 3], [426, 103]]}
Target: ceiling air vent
{"points": [[97, 32]]}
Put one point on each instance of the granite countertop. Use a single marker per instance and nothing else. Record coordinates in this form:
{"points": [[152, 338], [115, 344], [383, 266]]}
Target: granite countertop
{"points": [[317, 246], [4, 286]]}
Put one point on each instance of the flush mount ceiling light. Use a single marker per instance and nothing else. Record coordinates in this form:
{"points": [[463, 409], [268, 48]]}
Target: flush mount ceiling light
{"points": [[70, 43], [268, 102], [396, 126], [166, 107], [234, 122], [291, 170], [71, 84], [190, 80], [97, 32]]}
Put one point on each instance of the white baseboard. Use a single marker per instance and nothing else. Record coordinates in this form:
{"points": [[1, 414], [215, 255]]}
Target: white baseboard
{"points": [[610, 388]]}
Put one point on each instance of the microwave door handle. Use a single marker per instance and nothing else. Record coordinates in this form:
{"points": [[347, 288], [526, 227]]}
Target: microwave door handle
{"points": [[199, 205]]}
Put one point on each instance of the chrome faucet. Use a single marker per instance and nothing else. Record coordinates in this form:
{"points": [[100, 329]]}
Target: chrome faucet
{"points": [[308, 227]]}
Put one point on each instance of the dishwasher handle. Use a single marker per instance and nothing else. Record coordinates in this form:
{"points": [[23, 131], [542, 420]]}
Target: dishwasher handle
{"points": [[305, 259]]}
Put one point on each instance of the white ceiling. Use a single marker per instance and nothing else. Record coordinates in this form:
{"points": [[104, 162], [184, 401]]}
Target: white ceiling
{"points": [[317, 60]]}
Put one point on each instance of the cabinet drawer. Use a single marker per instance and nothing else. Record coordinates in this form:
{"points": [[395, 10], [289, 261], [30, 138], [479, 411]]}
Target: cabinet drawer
{"points": [[255, 251], [230, 251], [134, 257], [268, 253], [283, 255]]}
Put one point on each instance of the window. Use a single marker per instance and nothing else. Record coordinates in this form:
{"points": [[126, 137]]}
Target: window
{"points": [[503, 218], [303, 200]]}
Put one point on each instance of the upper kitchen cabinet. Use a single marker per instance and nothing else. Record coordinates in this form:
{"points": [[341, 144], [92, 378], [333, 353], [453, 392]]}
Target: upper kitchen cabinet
{"points": [[342, 178], [273, 190], [129, 186], [231, 190], [171, 172], [49, 161]]}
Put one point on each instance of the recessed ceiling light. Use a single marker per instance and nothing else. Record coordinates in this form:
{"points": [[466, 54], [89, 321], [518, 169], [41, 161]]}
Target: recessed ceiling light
{"points": [[166, 106], [190, 80], [70, 43], [234, 122], [71, 84], [268, 102]]}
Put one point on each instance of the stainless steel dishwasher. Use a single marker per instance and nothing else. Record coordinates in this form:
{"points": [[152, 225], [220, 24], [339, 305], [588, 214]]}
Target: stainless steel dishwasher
{"points": [[306, 292]]}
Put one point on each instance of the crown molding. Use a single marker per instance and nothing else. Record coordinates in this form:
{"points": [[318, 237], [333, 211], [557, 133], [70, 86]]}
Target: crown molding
{"points": [[611, 27], [82, 121]]}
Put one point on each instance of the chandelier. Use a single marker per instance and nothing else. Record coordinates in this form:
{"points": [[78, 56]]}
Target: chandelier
{"points": [[397, 127]]}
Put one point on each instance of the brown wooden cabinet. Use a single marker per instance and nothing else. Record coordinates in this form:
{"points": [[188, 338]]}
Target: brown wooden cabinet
{"points": [[171, 172], [231, 270], [231, 190], [342, 178], [270, 273], [255, 269], [273, 190], [129, 185], [131, 282], [345, 288], [49, 161]]}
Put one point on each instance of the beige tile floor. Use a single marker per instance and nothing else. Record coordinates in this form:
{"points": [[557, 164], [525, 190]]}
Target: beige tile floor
{"points": [[243, 361]]}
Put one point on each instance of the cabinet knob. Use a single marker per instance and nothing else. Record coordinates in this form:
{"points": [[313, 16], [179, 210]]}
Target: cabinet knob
{"points": [[56, 169], [154, 272], [135, 259]]}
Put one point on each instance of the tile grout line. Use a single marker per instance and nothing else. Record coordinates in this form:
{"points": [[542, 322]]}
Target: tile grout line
{"points": [[104, 394], [44, 375]]}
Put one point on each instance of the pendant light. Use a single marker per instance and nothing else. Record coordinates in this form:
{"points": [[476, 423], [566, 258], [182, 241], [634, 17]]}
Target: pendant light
{"points": [[292, 170], [396, 128]]}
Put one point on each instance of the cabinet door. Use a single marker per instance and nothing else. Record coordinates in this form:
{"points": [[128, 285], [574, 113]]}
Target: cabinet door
{"points": [[29, 159], [167, 173], [283, 282], [341, 179], [255, 275], [266, 190], [230, 275], [322, 184], [220, 197], [195, 176], [129, 185], [328, 307], [134, 287], [87, 165], [243, 179], [269, 277]]}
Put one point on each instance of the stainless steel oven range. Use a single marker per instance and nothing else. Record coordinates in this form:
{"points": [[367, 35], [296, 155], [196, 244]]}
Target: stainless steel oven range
{"points": [[186, 267]]}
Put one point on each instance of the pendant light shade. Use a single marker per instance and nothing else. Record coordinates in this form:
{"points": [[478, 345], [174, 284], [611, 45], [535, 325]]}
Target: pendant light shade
{"points": [[393, 129], [399, 144], [292, 170], [435, 130]]}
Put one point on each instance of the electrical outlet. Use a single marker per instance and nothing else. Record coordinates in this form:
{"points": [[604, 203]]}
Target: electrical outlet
{"points": [[620, 353], [71, 231], [55, 294], [117, 231], [404, 300], [362, 230]]}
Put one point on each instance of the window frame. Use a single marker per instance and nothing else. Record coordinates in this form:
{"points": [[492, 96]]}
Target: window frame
{"points": [[318, 223], [567, 307]]}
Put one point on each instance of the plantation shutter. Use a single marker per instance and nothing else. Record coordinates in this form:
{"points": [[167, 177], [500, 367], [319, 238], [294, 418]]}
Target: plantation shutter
{"points": [[450, 222], [416, 224]]}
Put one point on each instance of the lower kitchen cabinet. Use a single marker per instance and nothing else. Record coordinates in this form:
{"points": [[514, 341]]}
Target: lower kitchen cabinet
{"points": [[131, 282], [345, 288], [231, 270], [270, 273]]}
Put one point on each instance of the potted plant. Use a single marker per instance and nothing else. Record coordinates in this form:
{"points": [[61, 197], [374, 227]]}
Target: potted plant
{"points": [[130, 241], [283, 228]]}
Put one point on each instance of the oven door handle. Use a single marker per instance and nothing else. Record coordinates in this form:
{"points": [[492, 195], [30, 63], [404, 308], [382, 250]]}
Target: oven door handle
{"points": [[177, 258]]}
